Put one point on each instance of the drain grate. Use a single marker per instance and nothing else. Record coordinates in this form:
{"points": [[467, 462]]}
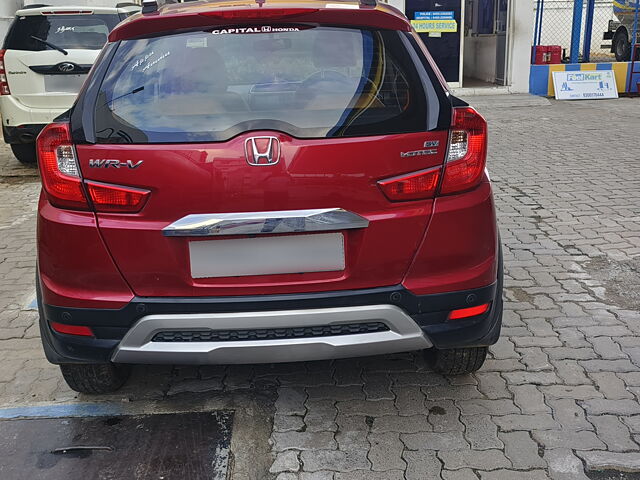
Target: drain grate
{"points": [[144, 447]]}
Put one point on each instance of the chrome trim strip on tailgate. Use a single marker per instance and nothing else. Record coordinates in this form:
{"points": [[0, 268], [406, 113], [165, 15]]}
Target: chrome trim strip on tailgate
{"points": [[404, 335], [256, 223]]}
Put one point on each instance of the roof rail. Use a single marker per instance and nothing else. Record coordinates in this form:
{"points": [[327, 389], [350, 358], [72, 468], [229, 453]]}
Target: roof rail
{"points": [[126, 4], [35, 5], [369, 3]]}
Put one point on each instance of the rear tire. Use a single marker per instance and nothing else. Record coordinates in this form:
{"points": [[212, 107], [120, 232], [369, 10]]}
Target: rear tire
{"points": [[621, 46], [95, 378], [25, 153], [457, 361]]}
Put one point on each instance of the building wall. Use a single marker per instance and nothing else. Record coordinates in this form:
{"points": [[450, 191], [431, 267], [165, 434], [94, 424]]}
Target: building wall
{"points": [[521, 22], [7, 10]]}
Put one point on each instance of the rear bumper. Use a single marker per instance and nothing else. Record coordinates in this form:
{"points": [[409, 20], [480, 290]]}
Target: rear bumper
{"points": [[412, 323], [22, 134], [402, 334], [15, 114]]}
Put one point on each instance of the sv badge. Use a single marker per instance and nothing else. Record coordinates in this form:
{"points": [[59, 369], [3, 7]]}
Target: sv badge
{"points": [[427, 150], [106, 163]]}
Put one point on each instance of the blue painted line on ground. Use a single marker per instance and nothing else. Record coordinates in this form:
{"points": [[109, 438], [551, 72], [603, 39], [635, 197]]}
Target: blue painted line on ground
{"points": [[33, 304], [57, 411]]}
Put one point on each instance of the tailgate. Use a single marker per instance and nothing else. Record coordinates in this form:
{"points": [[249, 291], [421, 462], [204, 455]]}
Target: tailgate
{"points": [[310, 175], [47, 79]]}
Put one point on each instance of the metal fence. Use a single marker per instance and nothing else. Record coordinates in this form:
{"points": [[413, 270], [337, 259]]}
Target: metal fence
{"points": [[584, 29]]}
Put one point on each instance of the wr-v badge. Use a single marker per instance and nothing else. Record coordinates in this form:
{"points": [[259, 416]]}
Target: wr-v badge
{"points": [[106, 163], [262, 151]]}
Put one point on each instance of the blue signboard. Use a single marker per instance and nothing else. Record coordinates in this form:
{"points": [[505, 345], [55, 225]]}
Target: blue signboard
{"points": [[434, 16]]}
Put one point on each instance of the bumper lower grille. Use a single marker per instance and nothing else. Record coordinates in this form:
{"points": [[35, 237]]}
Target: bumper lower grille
{"points": [[268, 333]]}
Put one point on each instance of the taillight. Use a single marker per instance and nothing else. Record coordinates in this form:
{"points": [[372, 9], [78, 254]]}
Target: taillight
{"points": [[413, 186], [467, 153], [115, 198], [68, 12], [259, 13], [62, 183], [59, 169], [4, 84], [463, 167]]}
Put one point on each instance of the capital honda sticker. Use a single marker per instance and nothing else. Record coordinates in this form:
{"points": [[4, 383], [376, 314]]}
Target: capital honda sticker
{"points": [[261, 29]]}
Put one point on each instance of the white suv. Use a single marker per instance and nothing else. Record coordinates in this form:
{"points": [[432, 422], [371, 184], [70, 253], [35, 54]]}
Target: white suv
{"points": [[46, 57]]}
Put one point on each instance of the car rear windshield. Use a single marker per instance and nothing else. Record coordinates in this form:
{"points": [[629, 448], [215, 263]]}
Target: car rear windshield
{"points": [[65, 31], [307, 81]]}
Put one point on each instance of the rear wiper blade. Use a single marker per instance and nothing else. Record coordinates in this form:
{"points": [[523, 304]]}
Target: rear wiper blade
{"points": [[50, 45], [132, 92]]}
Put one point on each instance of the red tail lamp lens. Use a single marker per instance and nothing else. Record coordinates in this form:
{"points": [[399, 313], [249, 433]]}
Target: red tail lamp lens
{"points": [[414, 186], [58, 167], [259, 13], [68, 12], [4, 84], [469, 312], [467, 155], [115, 198], [63, 185]]}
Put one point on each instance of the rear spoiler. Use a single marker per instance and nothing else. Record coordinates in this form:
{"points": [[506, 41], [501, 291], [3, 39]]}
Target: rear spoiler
{"points": [[361, 14], [150, 6]]}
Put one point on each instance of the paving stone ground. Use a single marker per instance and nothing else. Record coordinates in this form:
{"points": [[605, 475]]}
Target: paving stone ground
{"points": [[559, 397]]}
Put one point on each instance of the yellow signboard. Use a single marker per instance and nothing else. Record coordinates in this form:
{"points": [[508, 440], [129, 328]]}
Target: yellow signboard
{"points": [[433, 26]]}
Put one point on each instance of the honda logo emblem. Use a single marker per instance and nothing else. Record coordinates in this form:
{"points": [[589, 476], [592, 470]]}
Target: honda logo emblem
{"points": [[262, 151]]}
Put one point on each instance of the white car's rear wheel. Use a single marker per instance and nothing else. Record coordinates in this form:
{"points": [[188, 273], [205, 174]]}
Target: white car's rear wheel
{"points": [[25, 153]]}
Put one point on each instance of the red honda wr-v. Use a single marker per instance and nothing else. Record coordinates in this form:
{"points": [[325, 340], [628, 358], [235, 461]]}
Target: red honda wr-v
{"points": [[266, 182]]}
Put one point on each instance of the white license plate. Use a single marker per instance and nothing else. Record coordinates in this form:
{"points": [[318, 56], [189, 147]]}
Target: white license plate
{"points": [[267, 255], [63, 83]]}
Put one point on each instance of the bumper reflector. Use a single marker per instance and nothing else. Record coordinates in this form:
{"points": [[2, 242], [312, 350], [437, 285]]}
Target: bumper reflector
{"points": [[469, 312], [72, 329]]}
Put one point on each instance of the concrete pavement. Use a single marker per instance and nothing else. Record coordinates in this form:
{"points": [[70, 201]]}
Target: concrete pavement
{"points": [[559, 397]]}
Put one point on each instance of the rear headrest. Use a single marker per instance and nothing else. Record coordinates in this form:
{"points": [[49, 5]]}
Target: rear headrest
{"points": [[84, 39], [333, 50], [94, 38], [198, 69]]}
